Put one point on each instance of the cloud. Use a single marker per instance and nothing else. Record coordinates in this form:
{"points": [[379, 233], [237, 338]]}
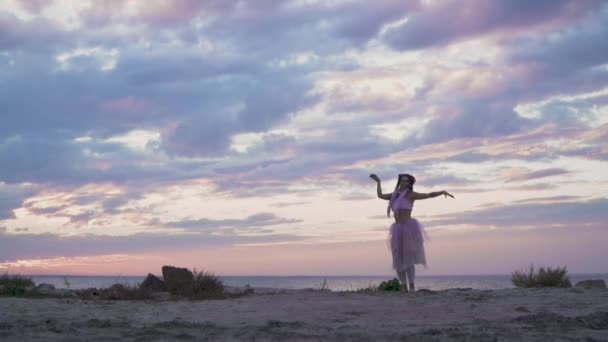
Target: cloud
{"points": [[551, 199], [357, 196], [34, 6], [476, 119], [12, 197], [251, 224], [287, 204], [445, 180], [39, 34], [532, 215], [65, 162], [575, 47], [35, 246], [288, 98], [525, 175], [441, 23]]}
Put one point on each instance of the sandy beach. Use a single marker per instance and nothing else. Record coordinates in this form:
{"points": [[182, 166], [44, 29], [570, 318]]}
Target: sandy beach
{"points": [[457, 314]]}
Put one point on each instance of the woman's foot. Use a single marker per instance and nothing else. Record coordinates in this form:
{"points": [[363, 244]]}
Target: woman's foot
{"points": [[412, 288]]}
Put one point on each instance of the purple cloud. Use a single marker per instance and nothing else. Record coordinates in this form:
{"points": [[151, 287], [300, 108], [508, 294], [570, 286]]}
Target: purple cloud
{"points": [[444, 22], [477, 119], [252, 223], [32, 246], [537, 174], [573, 214], [12, 197]]}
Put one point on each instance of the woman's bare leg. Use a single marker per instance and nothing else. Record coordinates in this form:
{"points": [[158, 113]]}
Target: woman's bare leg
{"points": [[411, 275], [403, 278]]}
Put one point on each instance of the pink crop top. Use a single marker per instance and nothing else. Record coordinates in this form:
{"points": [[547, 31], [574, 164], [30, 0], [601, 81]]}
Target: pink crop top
{"points": [[400, 202]]}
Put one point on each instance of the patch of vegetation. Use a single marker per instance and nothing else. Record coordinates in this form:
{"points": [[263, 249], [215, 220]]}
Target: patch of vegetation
{"points": [[15, 285], [207, 286], [390, 285], [323, 286], [369, 289], [127, 292], [118, 291], [541, 277]]}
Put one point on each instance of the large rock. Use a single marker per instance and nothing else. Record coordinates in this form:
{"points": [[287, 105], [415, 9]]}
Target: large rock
{"points": [[180, 281], [46, 288], [591, 284], [153, 284]]}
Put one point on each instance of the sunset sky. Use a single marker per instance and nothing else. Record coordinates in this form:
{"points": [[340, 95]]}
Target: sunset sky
{"points": [[237, 136]]}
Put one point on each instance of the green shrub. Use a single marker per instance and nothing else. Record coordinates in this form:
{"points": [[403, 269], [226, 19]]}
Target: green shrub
{"points": [[14, 285], [541, 277], [207, 286], [390, 285]]}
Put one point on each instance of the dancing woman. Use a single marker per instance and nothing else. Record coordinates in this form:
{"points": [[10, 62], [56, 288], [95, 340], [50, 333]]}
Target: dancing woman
{"points": [[406, 234]]}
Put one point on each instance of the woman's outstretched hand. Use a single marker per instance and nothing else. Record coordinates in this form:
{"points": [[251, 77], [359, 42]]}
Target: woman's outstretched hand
{"points": [[446, 194], [374, 177]]}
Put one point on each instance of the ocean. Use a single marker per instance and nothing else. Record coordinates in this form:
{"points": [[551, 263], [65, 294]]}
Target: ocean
{"points": [[333, 283]]}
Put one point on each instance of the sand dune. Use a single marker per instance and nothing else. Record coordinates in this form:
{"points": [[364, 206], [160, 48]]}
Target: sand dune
{"points": [[456, 314]]}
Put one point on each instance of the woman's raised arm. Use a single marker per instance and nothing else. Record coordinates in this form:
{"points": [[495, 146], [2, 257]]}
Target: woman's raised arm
{"points": [[418, 196], [379, 188]]}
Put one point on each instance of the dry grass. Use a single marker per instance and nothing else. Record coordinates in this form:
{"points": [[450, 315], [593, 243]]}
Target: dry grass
{"points": [[118, 291], [541, 277], [207, 286], [14, 285]]}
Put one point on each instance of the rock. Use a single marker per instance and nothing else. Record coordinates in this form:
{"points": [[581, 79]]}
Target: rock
{"points": [[153, 284], [591, 284], [180, 281], [66, 293], [46, 288], [426, 291]]}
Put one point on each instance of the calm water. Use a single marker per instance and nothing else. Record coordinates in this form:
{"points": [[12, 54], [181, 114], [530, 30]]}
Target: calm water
{"points": [[334, 283]]}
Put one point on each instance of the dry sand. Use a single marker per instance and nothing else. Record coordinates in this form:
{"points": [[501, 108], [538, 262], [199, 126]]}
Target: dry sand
{"points": [[456, 314]]}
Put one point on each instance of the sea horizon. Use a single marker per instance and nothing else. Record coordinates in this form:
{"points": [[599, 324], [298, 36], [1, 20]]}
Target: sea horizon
{"points": [[297, 275], [330, 282]]}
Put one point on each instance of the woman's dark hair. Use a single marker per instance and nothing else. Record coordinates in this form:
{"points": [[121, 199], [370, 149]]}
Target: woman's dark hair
{"points": [[411, 180]]}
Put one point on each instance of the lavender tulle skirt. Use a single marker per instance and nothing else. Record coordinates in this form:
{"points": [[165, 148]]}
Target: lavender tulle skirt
{"points": [[406, 241]]}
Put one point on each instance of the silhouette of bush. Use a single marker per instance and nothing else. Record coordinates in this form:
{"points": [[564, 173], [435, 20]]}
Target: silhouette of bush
{"points": [[207, 286], [14, 285], [541, 277], [390, 285]]}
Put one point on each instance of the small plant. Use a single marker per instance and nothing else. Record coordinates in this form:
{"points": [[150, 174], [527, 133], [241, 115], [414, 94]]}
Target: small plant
{"points": [[369, 289], [541, 277], [390, 285], [14, 285], [323, 286], [207, 286]]}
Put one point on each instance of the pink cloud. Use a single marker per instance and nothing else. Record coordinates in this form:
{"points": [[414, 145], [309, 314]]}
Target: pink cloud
{"points": [[126, 104]]}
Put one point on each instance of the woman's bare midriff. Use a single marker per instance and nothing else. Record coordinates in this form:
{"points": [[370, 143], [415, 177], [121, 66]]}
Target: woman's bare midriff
{"points": [[403, 215]]}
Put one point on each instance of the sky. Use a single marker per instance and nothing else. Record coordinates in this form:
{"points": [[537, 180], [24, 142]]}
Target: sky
{"points": [[237, 137]]}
